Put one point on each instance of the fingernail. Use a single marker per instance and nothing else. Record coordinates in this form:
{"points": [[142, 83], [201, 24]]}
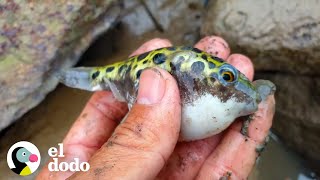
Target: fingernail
{"points": [[151, 87], [217, 47]]}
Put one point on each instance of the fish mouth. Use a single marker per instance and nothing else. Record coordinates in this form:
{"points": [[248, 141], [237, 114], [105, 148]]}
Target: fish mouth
{"points": [[264, 89], [258, 92]]}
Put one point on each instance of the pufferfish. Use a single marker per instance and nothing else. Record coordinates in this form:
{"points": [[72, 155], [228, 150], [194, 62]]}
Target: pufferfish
{"points": [[213, 92]]}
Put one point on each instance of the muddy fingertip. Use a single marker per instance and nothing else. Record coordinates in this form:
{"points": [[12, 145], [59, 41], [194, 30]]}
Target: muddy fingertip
{"points": [[150, 45], [215, 46], [243, 64]]}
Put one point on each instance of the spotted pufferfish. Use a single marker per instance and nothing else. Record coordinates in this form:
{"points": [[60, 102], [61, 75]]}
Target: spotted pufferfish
{"points": [[213, 92]]}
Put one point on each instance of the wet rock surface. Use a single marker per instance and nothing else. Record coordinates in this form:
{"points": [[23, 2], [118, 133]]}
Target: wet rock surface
{"points": [[278, 35], [39, 38], [282, 38], [179, 20]]}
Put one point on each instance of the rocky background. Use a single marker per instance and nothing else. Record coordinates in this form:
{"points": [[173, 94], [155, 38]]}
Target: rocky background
{"points": [[282, 38], [37, 39]]}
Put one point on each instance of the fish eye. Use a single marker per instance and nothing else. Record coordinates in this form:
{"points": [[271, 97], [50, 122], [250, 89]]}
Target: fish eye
{"points": [[23, 153], [228, 74]]}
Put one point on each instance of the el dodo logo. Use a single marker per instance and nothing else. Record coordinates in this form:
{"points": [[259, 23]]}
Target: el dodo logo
{"points": [[72, 166], [23, 158]]}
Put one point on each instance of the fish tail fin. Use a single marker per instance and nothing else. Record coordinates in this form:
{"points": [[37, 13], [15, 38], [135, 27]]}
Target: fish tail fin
{"points": [[90, 79], [81, 78]]}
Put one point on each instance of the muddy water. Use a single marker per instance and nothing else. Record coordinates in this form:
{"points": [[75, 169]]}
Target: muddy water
{"points": [[47, 124], [279, 162]]}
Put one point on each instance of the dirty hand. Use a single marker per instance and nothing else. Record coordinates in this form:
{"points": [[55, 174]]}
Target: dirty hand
{"points": [[145, 145]]}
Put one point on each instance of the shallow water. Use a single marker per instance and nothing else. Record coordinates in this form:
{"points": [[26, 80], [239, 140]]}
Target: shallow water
{"points": [[279, 162], [46, 125]]}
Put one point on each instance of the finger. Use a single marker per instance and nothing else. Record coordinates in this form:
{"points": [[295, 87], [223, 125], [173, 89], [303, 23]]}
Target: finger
{"points": [[188, 157], [97, 121], [141, 145], [152, 45], [243, 64], [90, 131], [236, 154], [214, 45]]}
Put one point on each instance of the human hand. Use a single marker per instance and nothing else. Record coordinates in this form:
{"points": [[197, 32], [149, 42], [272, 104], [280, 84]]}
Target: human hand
{"points": [[145, 145]]}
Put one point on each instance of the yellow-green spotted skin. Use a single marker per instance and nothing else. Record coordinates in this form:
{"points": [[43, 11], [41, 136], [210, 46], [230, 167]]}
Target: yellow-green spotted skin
{"points": [[203, 62], [213, 92], [157, 58]]}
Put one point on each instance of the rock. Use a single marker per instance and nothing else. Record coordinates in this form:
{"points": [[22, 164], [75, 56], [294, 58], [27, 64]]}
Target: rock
{"points": [[178, 20], [278, 35], [38, 39], [282, 39]]}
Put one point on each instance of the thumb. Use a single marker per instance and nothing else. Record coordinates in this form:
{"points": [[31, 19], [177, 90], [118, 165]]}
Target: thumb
{"points": [[140, 146]]}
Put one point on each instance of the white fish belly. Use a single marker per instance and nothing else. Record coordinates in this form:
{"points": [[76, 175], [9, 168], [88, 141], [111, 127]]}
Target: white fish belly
{"points": [[208, 116]]}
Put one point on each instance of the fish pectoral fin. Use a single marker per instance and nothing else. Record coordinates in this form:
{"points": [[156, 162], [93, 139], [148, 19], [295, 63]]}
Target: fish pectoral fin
{"points": [[115, 90], [77, 78]]}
